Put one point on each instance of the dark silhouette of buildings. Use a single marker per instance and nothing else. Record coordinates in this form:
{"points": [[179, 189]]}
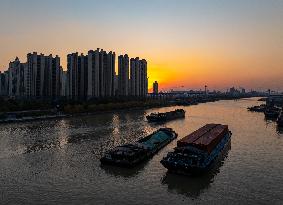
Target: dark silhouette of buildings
{"points": [[123, 75], [138, 77], [90, 76]]}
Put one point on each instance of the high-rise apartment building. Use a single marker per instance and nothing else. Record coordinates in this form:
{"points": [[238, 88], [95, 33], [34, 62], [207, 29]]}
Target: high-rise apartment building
{"points": [[35, 74], [64, 89], [43, 76], [123, 75], [82, 76], [0, 83], [16, 72], [4, 83], [77, 71], [87, 76], [72, 69], [138, 77], [115, 84], [93, 74], [109, 74], [143, 78], [101, 73], [52, 78], [134, 76]]}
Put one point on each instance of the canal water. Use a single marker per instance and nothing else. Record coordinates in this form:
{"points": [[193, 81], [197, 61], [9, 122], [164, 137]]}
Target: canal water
{"points": [[57, 161]]}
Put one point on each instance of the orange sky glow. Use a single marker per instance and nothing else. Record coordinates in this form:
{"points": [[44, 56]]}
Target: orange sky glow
{"points": [[187, 44]]}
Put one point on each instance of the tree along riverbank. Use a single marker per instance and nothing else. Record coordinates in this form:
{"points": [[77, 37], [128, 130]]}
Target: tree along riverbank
{"points": [[19, 111]]}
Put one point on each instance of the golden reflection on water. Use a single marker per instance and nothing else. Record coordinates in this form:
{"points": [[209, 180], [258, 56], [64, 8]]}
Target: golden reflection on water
{"points": [[63, 133], [115, 124]]}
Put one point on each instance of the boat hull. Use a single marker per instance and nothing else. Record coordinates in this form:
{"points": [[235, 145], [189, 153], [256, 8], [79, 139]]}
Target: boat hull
{"points": [[124, 163], [147, 154], [163, 119], [167, 116], [185, 169], [280, 123], [271, 115], [280, 119]]}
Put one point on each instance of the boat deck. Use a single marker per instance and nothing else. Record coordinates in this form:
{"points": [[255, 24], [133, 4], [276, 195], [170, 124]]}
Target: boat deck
{"points": [[155, 139]]}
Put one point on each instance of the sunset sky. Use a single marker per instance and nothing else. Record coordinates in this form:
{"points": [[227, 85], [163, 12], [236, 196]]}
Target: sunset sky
{"points": [[187, 44]]}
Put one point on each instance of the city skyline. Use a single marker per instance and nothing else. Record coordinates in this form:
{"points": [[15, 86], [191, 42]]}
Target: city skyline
{"points": [[187, 44], [90, 76]]}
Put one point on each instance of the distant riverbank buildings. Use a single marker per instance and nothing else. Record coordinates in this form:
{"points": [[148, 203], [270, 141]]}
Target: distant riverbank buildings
{"points": [[90, 76]]}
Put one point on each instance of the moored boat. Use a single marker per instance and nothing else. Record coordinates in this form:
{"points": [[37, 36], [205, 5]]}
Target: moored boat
{"points": [[129, 155], [196, 152], [166, 116], [280, 119], [272, 112], [259, 108]]}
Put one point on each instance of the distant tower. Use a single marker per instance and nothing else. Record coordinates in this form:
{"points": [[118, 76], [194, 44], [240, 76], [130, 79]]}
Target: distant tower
{"points": [[155, 87], [205, 89]]}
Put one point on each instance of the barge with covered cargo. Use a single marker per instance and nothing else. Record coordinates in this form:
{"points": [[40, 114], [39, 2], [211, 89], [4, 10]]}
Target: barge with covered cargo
{"points": [[129, 155], [272, 112], [196, 152], [280, 119], [259, 108], [166, 116]]}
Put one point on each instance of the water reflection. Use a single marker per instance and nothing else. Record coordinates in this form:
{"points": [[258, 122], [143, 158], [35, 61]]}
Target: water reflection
{"points": [[193, 186], [78, 138], [54, 135], [115, 124], [124, 172], [41, 145], [62, 133], [163, 123]]}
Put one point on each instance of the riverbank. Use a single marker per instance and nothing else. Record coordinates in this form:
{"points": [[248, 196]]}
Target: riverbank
{"points": [[88, 108], [72, 110]]}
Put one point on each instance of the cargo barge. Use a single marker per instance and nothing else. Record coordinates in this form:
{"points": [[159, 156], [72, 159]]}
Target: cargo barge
{"points": [[260, 108], [272, 112], [129, 155], [195, 153], [280, 119], [166, 116]]}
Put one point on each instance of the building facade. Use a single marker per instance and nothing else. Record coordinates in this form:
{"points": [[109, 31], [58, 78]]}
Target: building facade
{"points": [[123, 75], [4, 83], [108, 74], [138, 77], [134, 76], [52, 78], [42, 76], [87, 76], [101, 74], [64, 89], [16, 79], [93, 74], [77, 76], [143, 78]]}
